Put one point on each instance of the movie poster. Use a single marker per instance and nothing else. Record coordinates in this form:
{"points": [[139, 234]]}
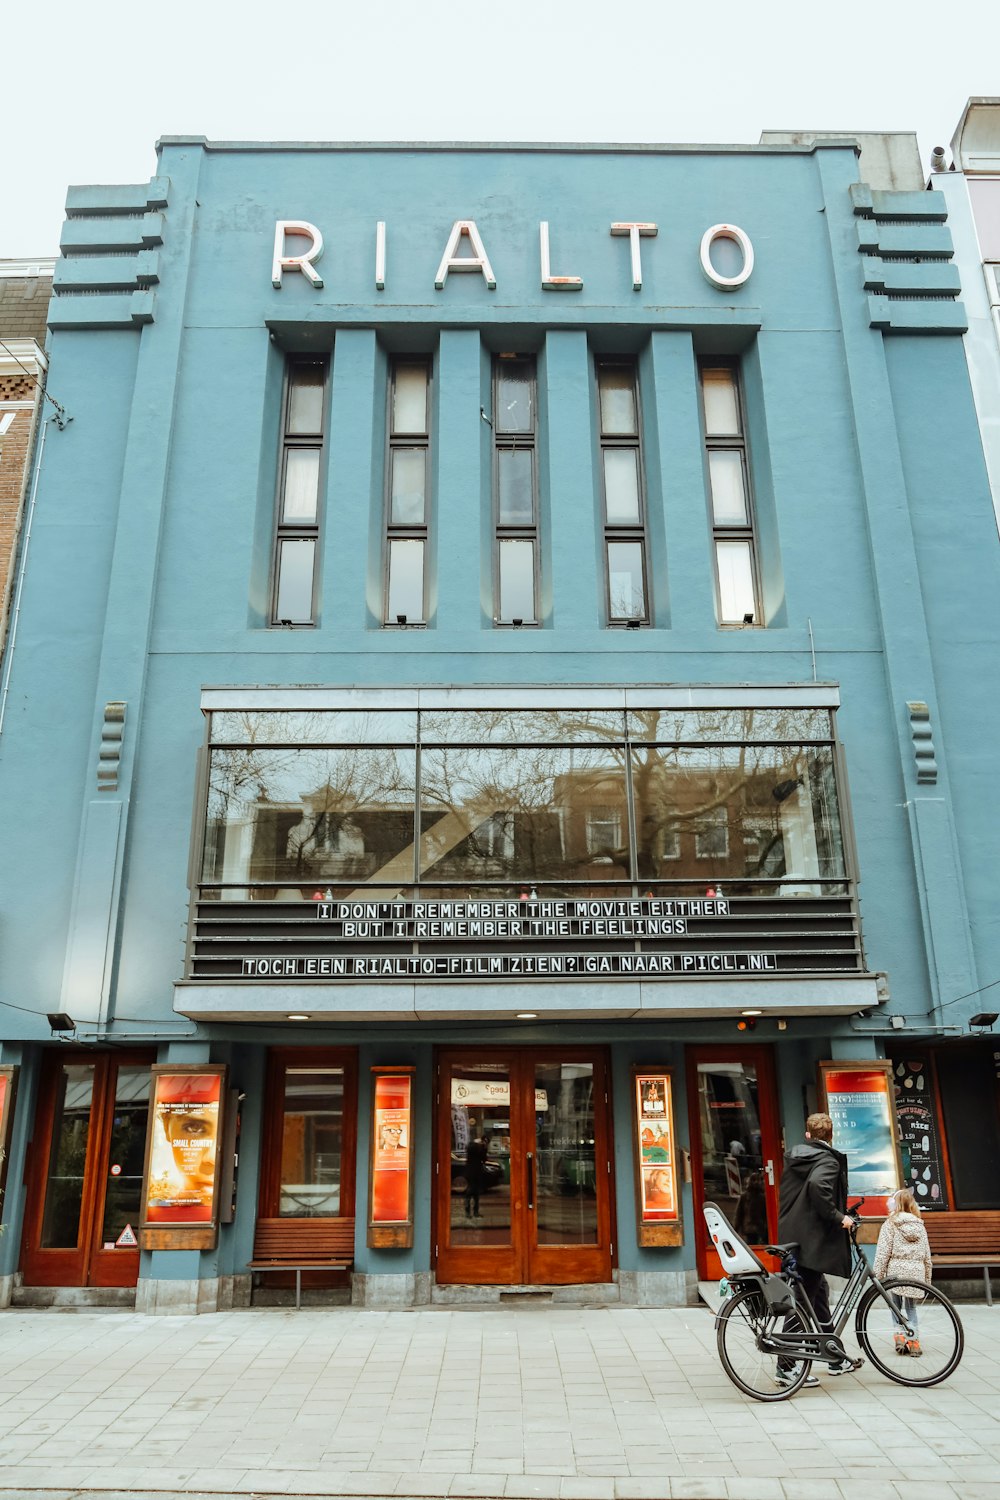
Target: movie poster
{"points": [[654, 1137], [184, 1147], [391, 1162], [7, 1077], [857, 1100]]}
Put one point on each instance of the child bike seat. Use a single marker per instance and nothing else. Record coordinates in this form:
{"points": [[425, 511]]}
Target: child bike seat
{"points": [[735, 1254]]}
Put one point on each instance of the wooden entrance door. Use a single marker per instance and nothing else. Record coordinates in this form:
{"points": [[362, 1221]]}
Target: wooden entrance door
{"points": [[735, 1144], [85, 1169], [522, 1170]]}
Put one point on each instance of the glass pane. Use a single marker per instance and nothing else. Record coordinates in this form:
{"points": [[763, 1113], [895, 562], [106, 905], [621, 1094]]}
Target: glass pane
{"points": [[301, 485], [314, 727], [730, 724], [621, 485], [68, 1157], [736, 593], [127, 1153], [295, 582], [312, 1137], [729, 501], [409, 399], [626, 593], [518, 814], [722, 409], [565, 1166], [732, 1164], [406, 580], [516, 501], [515, 395], [313, 817], [745, 811], [517, 580], [509, 726], [617, 392], [305, 399], [409, 469], [480, 1154]]}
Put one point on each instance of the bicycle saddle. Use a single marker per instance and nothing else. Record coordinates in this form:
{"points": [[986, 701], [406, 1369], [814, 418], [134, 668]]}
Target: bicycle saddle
{"points": [[781, 1249]]}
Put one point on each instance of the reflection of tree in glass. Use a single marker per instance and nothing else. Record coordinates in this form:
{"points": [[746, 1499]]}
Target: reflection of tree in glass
{"points": [[512, 794]]}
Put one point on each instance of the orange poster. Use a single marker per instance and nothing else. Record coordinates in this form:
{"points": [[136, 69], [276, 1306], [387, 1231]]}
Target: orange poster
{"points": [[391, 1149], [654, 1137], [184, 1148]]}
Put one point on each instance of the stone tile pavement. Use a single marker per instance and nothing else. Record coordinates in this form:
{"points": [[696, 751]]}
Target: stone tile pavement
{"points": [[517, 1402]]}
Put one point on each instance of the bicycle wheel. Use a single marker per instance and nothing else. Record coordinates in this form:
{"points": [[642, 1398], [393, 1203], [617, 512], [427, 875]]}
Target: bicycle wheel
{"points": [[939, 1331], [740, 1325]]}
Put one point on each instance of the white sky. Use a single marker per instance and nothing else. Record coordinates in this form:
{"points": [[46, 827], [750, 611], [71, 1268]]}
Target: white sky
{"points": [[96, 83]]}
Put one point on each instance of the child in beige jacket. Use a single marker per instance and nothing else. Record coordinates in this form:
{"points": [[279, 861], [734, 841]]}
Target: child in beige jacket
{"points": [[903, 1250]]}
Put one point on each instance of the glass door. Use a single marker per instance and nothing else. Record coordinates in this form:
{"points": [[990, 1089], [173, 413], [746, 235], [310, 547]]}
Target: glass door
{"points": [[735, 1144], [523, 1186], [84, 1181]]}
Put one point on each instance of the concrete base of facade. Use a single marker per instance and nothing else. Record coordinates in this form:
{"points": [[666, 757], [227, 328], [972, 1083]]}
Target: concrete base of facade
{"points": [[627, 1289], [7, 1289], [73, 1298], [398, 1289], [658, 1288], [208, 1295]]}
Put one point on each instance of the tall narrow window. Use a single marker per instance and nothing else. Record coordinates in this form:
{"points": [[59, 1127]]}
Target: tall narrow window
{"points": [[515, 488], [297, 535], [624, 508], [408, 499], [732, 512]]}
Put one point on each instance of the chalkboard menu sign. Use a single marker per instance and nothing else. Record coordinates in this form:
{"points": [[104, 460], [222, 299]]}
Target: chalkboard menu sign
{"points": [[914, 1083]]}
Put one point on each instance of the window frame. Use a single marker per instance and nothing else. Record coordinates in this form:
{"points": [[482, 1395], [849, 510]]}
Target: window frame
{"points": [[505, 441], [293, 531], [724, 531], [397, 530], [616, 531]]}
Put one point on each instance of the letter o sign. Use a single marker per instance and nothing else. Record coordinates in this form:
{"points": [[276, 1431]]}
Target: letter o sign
{"points": [[739, 237]]}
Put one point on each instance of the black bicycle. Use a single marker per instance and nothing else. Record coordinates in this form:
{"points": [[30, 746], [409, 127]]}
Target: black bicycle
{"points": [[769, 1337]]}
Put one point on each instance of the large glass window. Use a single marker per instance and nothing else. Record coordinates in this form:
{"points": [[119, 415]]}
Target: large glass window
{"points": [[293, 600], [515, 491], [299, 803], [737, 594], [622, 489], [408, 497]]}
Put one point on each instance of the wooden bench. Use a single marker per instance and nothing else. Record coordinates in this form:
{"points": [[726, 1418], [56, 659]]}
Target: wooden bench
{"points": [[965, 1238], [303, 1245]]}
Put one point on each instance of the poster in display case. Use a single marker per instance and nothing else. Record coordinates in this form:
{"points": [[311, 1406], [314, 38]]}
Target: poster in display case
{"points": [[390, 1183], [858, 1097], [8, 1092], [658, 1212], [180, 1206]]}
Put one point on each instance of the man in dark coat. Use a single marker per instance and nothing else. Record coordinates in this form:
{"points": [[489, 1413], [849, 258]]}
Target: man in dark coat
{"points": [[812, 1213]]}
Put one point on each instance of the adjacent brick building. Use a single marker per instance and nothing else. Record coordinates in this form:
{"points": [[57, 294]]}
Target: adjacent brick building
{"points": [[25, 288]]}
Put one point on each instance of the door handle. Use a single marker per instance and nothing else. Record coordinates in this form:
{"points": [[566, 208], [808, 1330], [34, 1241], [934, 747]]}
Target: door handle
{"points": [[769, 1169], [530, 1160]]}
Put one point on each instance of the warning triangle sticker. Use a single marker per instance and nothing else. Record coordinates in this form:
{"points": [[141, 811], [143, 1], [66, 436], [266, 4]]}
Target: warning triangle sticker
{"points": [[127, 1240]]}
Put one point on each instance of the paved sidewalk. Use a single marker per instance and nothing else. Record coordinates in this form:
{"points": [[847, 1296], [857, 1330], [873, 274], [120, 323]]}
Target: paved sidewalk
{"points": [[559, 1403]]}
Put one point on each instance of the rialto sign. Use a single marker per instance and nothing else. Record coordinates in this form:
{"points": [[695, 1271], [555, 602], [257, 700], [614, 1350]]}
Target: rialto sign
{"points": [[466, 252]]}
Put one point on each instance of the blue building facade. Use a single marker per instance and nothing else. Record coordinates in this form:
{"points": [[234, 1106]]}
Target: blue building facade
{"points": [[497, 705]]}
